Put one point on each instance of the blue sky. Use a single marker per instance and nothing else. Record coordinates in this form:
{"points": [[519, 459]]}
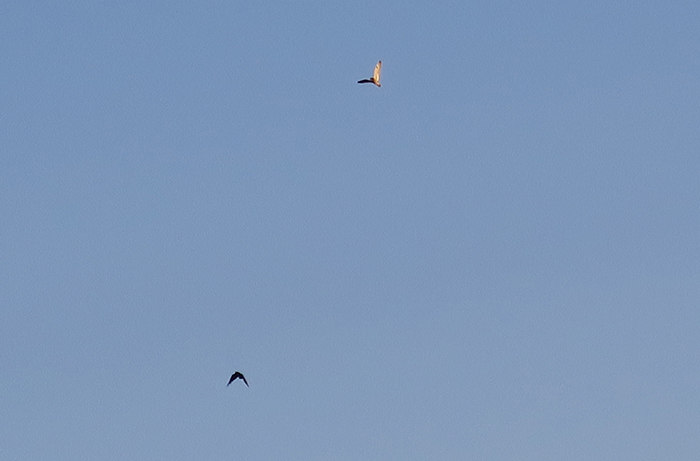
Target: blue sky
{"points": [[494, 256]]}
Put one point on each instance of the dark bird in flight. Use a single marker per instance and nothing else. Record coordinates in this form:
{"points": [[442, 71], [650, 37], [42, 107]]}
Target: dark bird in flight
{"points": [[235, 376], [375, 77]]}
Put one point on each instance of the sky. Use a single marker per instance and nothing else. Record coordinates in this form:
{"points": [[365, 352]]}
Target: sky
{"points": [[494, 256]]}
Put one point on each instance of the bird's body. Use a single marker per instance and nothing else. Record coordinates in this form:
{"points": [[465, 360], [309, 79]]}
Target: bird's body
{"points": [[235, 376], [375, 77]]}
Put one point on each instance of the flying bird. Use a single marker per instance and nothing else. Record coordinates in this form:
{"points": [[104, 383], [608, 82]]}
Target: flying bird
{"points": [[375, 77], [235, 376]]}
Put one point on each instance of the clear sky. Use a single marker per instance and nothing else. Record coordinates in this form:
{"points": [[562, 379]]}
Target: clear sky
{"points": [[494, 256]]}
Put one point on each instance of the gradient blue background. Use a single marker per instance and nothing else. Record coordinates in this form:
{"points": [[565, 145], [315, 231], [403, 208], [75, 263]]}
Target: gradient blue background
{"points": [[494, 256]]}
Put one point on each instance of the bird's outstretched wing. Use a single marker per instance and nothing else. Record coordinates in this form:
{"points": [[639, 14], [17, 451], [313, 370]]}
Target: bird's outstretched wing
{"points": [[365, 80], [377, 73]]}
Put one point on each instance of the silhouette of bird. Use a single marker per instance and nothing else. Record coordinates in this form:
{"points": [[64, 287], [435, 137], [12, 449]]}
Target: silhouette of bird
{"points": [[375, 77], [235, 376]]}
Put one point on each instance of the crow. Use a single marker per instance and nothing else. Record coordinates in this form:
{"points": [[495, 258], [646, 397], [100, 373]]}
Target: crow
{"points": [[236, 375], [375, 77]]}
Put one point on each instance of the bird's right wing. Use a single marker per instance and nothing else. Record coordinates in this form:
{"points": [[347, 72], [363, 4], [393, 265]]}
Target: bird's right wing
{"points": [[377, 72]]}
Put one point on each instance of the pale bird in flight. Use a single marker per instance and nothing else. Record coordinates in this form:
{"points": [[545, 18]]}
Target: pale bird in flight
{"points": [[235, 376], [375, 77]]}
